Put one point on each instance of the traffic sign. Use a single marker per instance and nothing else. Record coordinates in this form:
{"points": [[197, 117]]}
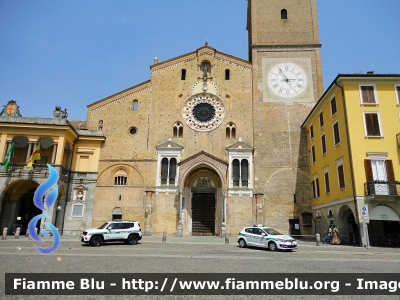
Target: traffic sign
{"points": [[364, 212]]}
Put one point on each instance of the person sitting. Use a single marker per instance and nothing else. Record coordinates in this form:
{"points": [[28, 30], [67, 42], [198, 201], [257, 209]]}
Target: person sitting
{"points": [[328, 236]]}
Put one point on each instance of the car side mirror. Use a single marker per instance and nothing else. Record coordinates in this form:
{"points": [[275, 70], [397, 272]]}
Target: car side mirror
{"points": [[263, 234]]}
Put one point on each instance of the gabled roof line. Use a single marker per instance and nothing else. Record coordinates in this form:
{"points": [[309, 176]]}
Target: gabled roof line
{"points": [[122, 95], [201, 51], [205, 154]]}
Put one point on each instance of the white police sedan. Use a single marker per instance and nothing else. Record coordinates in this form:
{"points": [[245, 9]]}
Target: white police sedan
{"points": [[265, 237]]}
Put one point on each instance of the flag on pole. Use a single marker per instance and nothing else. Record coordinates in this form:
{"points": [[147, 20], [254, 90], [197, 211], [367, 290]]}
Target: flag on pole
{"points": [[35, 156], [7, 159]]}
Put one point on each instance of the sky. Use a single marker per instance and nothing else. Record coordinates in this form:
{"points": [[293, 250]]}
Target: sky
{"points": [[74, 53]]}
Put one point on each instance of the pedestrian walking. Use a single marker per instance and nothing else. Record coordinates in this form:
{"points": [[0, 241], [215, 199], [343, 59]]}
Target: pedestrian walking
{"points": [[336, 236]]}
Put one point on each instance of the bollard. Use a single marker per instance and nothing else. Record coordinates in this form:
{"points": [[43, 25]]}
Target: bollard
{"points": [[317, 238], [164, 236], [226, 238], [4, 233], [17, 232]]}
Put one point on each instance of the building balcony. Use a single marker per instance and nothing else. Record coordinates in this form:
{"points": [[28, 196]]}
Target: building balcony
{"points": [[19, 169], [382, 188]]}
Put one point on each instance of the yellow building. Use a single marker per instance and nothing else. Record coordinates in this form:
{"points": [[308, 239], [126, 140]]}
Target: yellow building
{"points": [[72, 151], [353, 146]]}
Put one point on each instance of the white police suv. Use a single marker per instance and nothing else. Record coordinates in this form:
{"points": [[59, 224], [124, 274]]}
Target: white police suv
{"points": [[113, 231], [266, 237]]}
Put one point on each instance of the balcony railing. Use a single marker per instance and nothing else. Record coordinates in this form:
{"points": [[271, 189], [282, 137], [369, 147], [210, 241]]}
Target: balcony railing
{"points": [[388, 188], [21, 168]]}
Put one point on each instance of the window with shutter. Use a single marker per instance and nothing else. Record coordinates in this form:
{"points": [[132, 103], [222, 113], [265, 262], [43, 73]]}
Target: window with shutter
{"points": [[327, 186], [372, 124], [312, 190], [368, 170], [333, 106], [368, 94], [321, 120], [323, 144], [340, 171], [311, 132], [369, 176], [390, 177], [315, 188], [336, 135], [398, 94], [313, 154], [390, 170]]}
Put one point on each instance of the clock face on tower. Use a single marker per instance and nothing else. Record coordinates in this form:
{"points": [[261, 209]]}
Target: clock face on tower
{"points": [[287, 80]]}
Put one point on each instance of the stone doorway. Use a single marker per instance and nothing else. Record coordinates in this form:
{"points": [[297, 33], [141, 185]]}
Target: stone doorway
{"points": [[203, 214]]}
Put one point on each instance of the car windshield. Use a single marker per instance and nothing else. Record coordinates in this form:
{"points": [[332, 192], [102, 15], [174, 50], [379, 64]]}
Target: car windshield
{"points": [[271, 231], [103, 226]]}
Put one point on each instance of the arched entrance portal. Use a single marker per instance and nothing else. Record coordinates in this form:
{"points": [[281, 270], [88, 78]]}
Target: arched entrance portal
{"points": [[347, 225], [202, 185], [17, 207]]}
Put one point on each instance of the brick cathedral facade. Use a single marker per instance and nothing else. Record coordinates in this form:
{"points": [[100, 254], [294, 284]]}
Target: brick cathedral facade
{"points": [[211, 142]]}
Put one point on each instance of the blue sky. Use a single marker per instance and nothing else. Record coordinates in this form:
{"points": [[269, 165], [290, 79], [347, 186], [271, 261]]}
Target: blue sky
{"points": [[73, 53]]}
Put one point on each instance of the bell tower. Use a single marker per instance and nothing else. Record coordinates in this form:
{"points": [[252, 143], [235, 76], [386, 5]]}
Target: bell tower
{"points": [[284, 50]]}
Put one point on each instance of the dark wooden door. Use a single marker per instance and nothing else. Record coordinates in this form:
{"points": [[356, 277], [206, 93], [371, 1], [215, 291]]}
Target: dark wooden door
{"points": [[294, 226], [203, 214]]}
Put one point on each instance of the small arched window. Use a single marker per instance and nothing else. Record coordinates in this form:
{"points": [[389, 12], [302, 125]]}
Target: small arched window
{"points": [[101, 124], [120, 177], [183, 74], [244, 164], [164, 170], [284, 14], [227, 74], [177, 130], [236, 172], [168, 171], [172, 171], [240, 172], [230, 131], [135, 105]]}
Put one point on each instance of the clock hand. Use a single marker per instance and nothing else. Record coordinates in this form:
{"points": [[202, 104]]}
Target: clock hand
{"points": [[285, 78]]}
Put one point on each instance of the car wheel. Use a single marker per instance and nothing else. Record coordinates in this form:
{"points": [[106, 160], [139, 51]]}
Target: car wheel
{"points": [[96, 241], [272, 246], [132, 240], [242, 243]]}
